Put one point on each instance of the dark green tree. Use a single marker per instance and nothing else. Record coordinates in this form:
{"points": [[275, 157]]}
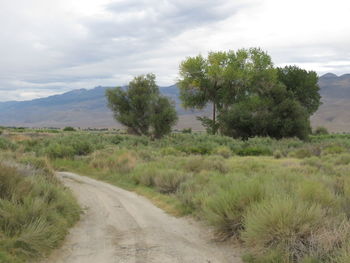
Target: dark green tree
{"points": [[303, 85], [164, 117], [275, 113], [141, 108], [250, 97]]}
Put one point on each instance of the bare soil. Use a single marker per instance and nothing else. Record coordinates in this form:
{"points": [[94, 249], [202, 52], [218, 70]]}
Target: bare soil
{"points": [[121, 226]]}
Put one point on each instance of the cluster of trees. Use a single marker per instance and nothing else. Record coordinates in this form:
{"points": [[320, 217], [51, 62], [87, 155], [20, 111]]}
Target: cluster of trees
{"points": [[248, 95]]}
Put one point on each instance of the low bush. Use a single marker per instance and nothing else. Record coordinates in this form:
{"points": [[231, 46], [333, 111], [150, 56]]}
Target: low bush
{"points": [[301, 153], [35, 214], [334, 149], [197, 164], [186, 130], [170, 151], [59, 151], [343, 159], [343, 255], [38, 163], [278, 154], [299, 231], [168, 181], [320, 131], [69, 128], [254, 151], [226, 208], [224, 151], [114, 161], [6, 144], [315, 192], [145, 174]]}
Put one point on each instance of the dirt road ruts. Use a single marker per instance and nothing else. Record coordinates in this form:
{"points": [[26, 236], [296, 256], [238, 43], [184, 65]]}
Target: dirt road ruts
{"points": [[121, 226]]}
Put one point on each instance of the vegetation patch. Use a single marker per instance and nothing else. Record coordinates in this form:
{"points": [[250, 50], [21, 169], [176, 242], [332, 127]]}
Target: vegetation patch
{"points": [[283, 200], [36, 212]]}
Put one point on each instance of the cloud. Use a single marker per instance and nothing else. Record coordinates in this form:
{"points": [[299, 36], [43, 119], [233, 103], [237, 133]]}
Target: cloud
{"points": [[49, 47]]}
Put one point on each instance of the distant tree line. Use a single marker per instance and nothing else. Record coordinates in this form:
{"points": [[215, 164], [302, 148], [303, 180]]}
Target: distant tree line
{"points": [[249, 97]]}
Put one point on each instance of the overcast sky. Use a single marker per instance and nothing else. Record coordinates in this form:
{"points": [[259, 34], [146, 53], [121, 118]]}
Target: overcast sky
{"points": [[52, 46]]}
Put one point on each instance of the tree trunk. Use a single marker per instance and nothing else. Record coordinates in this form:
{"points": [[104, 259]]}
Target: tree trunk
{"points": [[214, 118]]}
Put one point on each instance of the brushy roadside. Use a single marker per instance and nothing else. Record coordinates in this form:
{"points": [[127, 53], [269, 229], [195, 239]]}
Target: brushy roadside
{"points": [[285, 201], [36, 210]]}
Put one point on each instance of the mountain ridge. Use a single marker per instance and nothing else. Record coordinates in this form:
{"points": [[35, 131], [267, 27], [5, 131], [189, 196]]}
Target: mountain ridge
{"points": [[88, 108]]}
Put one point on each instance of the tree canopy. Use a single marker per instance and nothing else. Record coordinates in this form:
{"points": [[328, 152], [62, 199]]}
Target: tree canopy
{"points": [[141, 108], [303, 85], [249, 96]]}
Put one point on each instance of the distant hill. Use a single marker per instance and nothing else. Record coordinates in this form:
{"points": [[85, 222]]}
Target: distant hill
{"points": [[78, 108], [334, 113], [87, 108]]}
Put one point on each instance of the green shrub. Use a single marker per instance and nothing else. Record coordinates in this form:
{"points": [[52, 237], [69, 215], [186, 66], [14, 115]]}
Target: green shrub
{"points": [[145, 175], [81, 147], [334, 149], [6, 144], [320, 131], [301, 153], [278, 154], [35, 214], [168, 181], [343, 159], [298, 229], [316, 192], [343, 255], [170, 151], [118, 161], [59, 151], [225, 209], [196, 164], [188, 190], [224, 151], [9, 181], [69, 128], [201, 149], [254, 151], [38, 163], [188, 130], [117, 139]]}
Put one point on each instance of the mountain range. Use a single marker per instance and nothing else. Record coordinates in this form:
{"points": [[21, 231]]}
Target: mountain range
{"points": [[334, 113], [86, 108]]}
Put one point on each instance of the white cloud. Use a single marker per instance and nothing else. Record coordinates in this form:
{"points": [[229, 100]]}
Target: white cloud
{"points": [[49, 47]]}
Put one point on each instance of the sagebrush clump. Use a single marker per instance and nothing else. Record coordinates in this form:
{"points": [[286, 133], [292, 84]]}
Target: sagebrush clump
{"points": [[35, 213]]}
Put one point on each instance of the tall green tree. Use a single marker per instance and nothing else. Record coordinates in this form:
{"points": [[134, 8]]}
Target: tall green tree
{"points": [[303, 85], [141, 108], [202, 80], [221, 79]]}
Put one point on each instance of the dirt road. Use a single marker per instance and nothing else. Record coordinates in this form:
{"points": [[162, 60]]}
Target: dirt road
{"points": [[121, 226]]}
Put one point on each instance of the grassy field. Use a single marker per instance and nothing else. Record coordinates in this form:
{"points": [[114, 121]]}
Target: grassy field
{"points": [[36, 211], [283, 201]]}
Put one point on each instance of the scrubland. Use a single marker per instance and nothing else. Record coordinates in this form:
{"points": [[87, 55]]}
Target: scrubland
{"points": [[36, 210], [281, 200]]}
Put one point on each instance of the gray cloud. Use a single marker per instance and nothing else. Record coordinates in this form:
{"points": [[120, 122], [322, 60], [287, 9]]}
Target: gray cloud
{"points": [[49, 47]]}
